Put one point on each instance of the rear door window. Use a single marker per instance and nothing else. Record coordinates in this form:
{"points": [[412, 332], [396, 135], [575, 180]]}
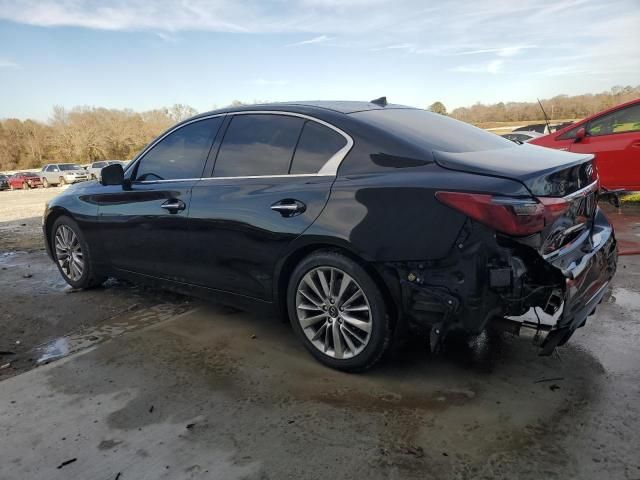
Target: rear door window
{"points": [[181, 154], [621, 121], [257, 145], [316, 146]]}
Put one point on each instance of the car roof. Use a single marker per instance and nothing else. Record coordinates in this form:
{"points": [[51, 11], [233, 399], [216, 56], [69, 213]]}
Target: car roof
{"points": [[306, 107], [532, 133]]}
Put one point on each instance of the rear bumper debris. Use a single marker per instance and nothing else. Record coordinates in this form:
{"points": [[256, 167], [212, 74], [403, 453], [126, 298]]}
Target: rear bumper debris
{"points": [[484, 279]]}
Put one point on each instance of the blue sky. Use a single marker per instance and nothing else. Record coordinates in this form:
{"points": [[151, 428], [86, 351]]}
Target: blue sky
{"points": [[143, 54]]}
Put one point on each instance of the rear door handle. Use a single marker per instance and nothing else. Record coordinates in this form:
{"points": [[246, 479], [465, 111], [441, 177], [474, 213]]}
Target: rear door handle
{"points": [[636, 144], [289, 207], [173, 205]]}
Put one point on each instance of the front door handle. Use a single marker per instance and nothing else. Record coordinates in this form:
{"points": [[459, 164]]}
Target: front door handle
{"points": [[636, 144], [289, 207], [173, 205]]}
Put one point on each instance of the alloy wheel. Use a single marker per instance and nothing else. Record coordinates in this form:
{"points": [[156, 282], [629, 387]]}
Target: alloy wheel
{"points": [[334, 312], [69, 252]]}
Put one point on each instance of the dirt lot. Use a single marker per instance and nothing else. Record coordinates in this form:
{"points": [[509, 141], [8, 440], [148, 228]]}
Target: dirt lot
{"points": [[142, 384]]}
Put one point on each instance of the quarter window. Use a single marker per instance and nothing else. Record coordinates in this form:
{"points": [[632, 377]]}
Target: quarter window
{"points": [[260, 144], [181, 154], [316, 146]]}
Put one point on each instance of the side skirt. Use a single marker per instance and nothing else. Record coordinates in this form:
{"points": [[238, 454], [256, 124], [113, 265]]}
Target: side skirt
{"points": [[241, 302]]}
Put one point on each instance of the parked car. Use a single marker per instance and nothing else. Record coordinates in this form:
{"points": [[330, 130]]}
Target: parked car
{"points": [[522, 136], [4, 181], [356, 219], [96, 167], [62, 174], [535, 127], [613, 136], [542, 128], [24, 180]]}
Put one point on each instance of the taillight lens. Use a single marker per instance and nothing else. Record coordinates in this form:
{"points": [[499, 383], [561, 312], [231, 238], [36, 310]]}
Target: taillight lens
{"points": [[513, 216], [554, 208]]}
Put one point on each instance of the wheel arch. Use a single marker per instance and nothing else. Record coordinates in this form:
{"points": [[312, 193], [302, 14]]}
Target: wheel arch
{"points": [[383, 280], [52, 215]]}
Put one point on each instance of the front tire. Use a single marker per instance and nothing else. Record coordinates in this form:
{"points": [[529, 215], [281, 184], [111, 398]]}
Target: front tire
{"points": [[338, 312], [62, 181], [25, 186], [73, 255], [45, 183]]}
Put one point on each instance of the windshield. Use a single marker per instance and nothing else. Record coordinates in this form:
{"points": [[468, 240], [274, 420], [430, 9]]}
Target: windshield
{"points": [[69, 166], [433, 131]]}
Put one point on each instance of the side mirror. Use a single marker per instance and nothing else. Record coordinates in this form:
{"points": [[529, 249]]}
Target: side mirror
{"points": [[580, 134], [112, 175]]}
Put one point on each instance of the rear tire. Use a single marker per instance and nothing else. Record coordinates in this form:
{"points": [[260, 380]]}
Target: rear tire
{"points": [[62, 181], [73, 255], [343, 327], [25, 186]]}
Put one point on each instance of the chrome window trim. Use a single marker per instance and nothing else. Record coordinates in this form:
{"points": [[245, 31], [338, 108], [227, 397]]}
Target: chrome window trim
{"points": [[294, 175], [330, 168]]}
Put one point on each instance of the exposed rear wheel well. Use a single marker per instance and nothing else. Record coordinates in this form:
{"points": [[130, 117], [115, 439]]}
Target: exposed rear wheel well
{"points": [[294, 259]]}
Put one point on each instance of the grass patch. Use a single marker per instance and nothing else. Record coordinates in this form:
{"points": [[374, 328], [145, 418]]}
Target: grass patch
{"points": [[631, 198]]}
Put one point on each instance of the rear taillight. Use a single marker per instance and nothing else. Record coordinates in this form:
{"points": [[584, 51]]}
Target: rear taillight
{"points": [[513, 216], [554, 208]]}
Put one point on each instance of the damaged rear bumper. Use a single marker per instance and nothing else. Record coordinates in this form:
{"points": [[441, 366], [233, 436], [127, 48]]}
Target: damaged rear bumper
{"points": [[588, 272], [484, 279]]}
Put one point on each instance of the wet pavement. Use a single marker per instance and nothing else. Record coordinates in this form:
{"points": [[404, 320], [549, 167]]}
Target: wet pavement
{"points": [[124, 383], [216, 393], [626, 222]]}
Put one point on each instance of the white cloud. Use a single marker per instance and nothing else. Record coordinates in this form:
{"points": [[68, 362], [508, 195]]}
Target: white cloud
{"points": [[311, 41], [495, 31], [494, 66], [500, 51], [265, 82]]}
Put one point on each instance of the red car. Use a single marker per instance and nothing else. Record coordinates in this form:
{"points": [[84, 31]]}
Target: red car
{"points": [[613, 136], [24, 180]]}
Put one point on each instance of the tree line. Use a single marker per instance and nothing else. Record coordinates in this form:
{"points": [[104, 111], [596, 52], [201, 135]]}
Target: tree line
{"points": [[559, 107], [85, 134]]}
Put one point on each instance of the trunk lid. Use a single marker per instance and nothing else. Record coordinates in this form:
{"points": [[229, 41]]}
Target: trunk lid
{"points": [[566, 184], [544, 171]]}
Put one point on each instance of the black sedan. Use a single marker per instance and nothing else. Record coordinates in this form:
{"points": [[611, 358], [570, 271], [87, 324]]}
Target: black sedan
{"points": [[358, 220]]}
